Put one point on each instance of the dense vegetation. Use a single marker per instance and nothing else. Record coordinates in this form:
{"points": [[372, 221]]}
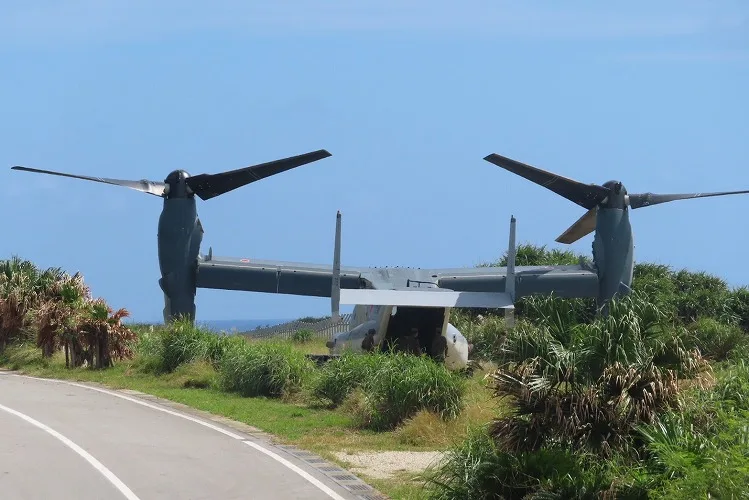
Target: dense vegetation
{"points": [[56, 311], [649, 402]]}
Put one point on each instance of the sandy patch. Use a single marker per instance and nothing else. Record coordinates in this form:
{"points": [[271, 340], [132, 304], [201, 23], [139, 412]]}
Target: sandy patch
{"points": [[384, 464]]}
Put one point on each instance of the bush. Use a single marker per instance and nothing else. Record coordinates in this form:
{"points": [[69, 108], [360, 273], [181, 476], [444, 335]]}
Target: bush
{"points": [[700, 294], [270, 368], [149, 351], [392, 387], [701, 449], [183, 342], [716, 340], [341, 376], [739, 304], [19, 356], [587, 386], [478, 469], [302, 336], [486, 334], [656, 281], [403, 384]]}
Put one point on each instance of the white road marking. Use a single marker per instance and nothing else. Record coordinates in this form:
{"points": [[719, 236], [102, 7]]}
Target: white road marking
{"points": [[301, 472], [319, 484], [83, 453]]}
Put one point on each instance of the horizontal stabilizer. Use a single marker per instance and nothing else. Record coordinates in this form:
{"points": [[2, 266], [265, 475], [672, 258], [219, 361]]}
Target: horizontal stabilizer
{"points": [[426, 298]]}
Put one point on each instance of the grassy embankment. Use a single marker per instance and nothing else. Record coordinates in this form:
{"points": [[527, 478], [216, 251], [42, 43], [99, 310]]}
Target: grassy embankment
{"points": [[651, 402], [373, 403]]}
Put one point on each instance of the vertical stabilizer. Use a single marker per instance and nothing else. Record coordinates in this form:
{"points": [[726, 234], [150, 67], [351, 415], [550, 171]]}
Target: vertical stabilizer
{"points": [[510, 279], [335, 293]]}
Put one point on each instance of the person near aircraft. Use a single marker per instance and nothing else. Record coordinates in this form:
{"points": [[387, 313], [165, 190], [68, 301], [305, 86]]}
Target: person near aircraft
{"points": [[399, 341], [411, 343], [368, 343], [439, 346]]}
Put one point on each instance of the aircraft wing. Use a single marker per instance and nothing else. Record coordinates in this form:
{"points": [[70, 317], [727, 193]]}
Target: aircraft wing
{"points": [[296, 278], [428, 297], [272, 276], [564, 281]]}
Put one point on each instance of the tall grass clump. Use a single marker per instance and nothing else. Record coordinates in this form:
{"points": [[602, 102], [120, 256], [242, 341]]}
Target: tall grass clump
{"points": [[21, 355], [698, 450], [739, 303], [404, 384], [149, 349], [717, 340], [478, 469], [341, 376], [183, 342], [271, 368]]}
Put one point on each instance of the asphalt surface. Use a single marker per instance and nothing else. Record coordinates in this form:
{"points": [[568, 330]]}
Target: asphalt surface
{"points": [[59, 440]]}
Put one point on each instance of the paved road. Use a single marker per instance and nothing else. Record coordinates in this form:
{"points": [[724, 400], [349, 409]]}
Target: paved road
{"points": [[59, 440]]}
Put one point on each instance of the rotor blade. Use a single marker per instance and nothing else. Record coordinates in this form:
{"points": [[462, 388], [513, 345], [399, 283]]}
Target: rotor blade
{"points": [[648, 199], [582, 227], [207, 186], [145, 186], [585, 195]]}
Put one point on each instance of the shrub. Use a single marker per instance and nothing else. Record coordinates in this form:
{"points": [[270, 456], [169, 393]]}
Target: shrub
{"points": [[270, 368], [557, 313], [700, 294], [532, 255], [738, 300], [656, 281], [340, 376], [478, 469], [587, 386], [700, 451], [731, 389], [149, 351], [716, 340], [486, 334], [183, 342], [23, 355], [302, 336], [403, 384]]}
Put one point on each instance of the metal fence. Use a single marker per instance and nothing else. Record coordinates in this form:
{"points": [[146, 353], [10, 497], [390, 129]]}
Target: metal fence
{"points": [[323, 329]]}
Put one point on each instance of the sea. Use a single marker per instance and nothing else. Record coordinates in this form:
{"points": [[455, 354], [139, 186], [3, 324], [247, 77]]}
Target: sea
{"points": [[239, 325], [229, 325]]}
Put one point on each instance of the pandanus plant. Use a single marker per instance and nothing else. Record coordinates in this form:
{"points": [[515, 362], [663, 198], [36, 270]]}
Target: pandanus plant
{"points": [[589, 385]]}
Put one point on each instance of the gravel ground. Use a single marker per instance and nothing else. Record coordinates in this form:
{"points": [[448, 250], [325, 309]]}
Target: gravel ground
{"points": [[384, 464]]}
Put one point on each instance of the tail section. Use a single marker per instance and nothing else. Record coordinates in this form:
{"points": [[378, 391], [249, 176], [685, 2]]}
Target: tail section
{"points": [[335, 295]]}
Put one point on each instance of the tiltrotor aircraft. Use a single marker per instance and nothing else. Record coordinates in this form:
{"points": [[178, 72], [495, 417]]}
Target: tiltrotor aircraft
{"points": [[390, 300]]}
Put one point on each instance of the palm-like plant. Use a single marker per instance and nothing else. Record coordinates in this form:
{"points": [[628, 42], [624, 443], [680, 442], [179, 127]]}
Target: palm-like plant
{"points": [[589, 385], [19, 286], [56, 319], [105, 335]]}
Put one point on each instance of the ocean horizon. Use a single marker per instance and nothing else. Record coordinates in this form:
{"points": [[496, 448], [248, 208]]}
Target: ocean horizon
{"points": [[226, 325]]}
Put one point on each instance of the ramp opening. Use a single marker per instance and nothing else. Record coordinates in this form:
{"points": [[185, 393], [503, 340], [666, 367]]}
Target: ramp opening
{"points": [[427, 321]]}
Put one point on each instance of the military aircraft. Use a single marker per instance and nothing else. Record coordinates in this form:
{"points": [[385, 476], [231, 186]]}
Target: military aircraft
{"points": [[414, 294], [613, 262], [390, 315]]}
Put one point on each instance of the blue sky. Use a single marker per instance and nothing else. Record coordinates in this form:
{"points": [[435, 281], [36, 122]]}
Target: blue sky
{"points": [[407, 96]]}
